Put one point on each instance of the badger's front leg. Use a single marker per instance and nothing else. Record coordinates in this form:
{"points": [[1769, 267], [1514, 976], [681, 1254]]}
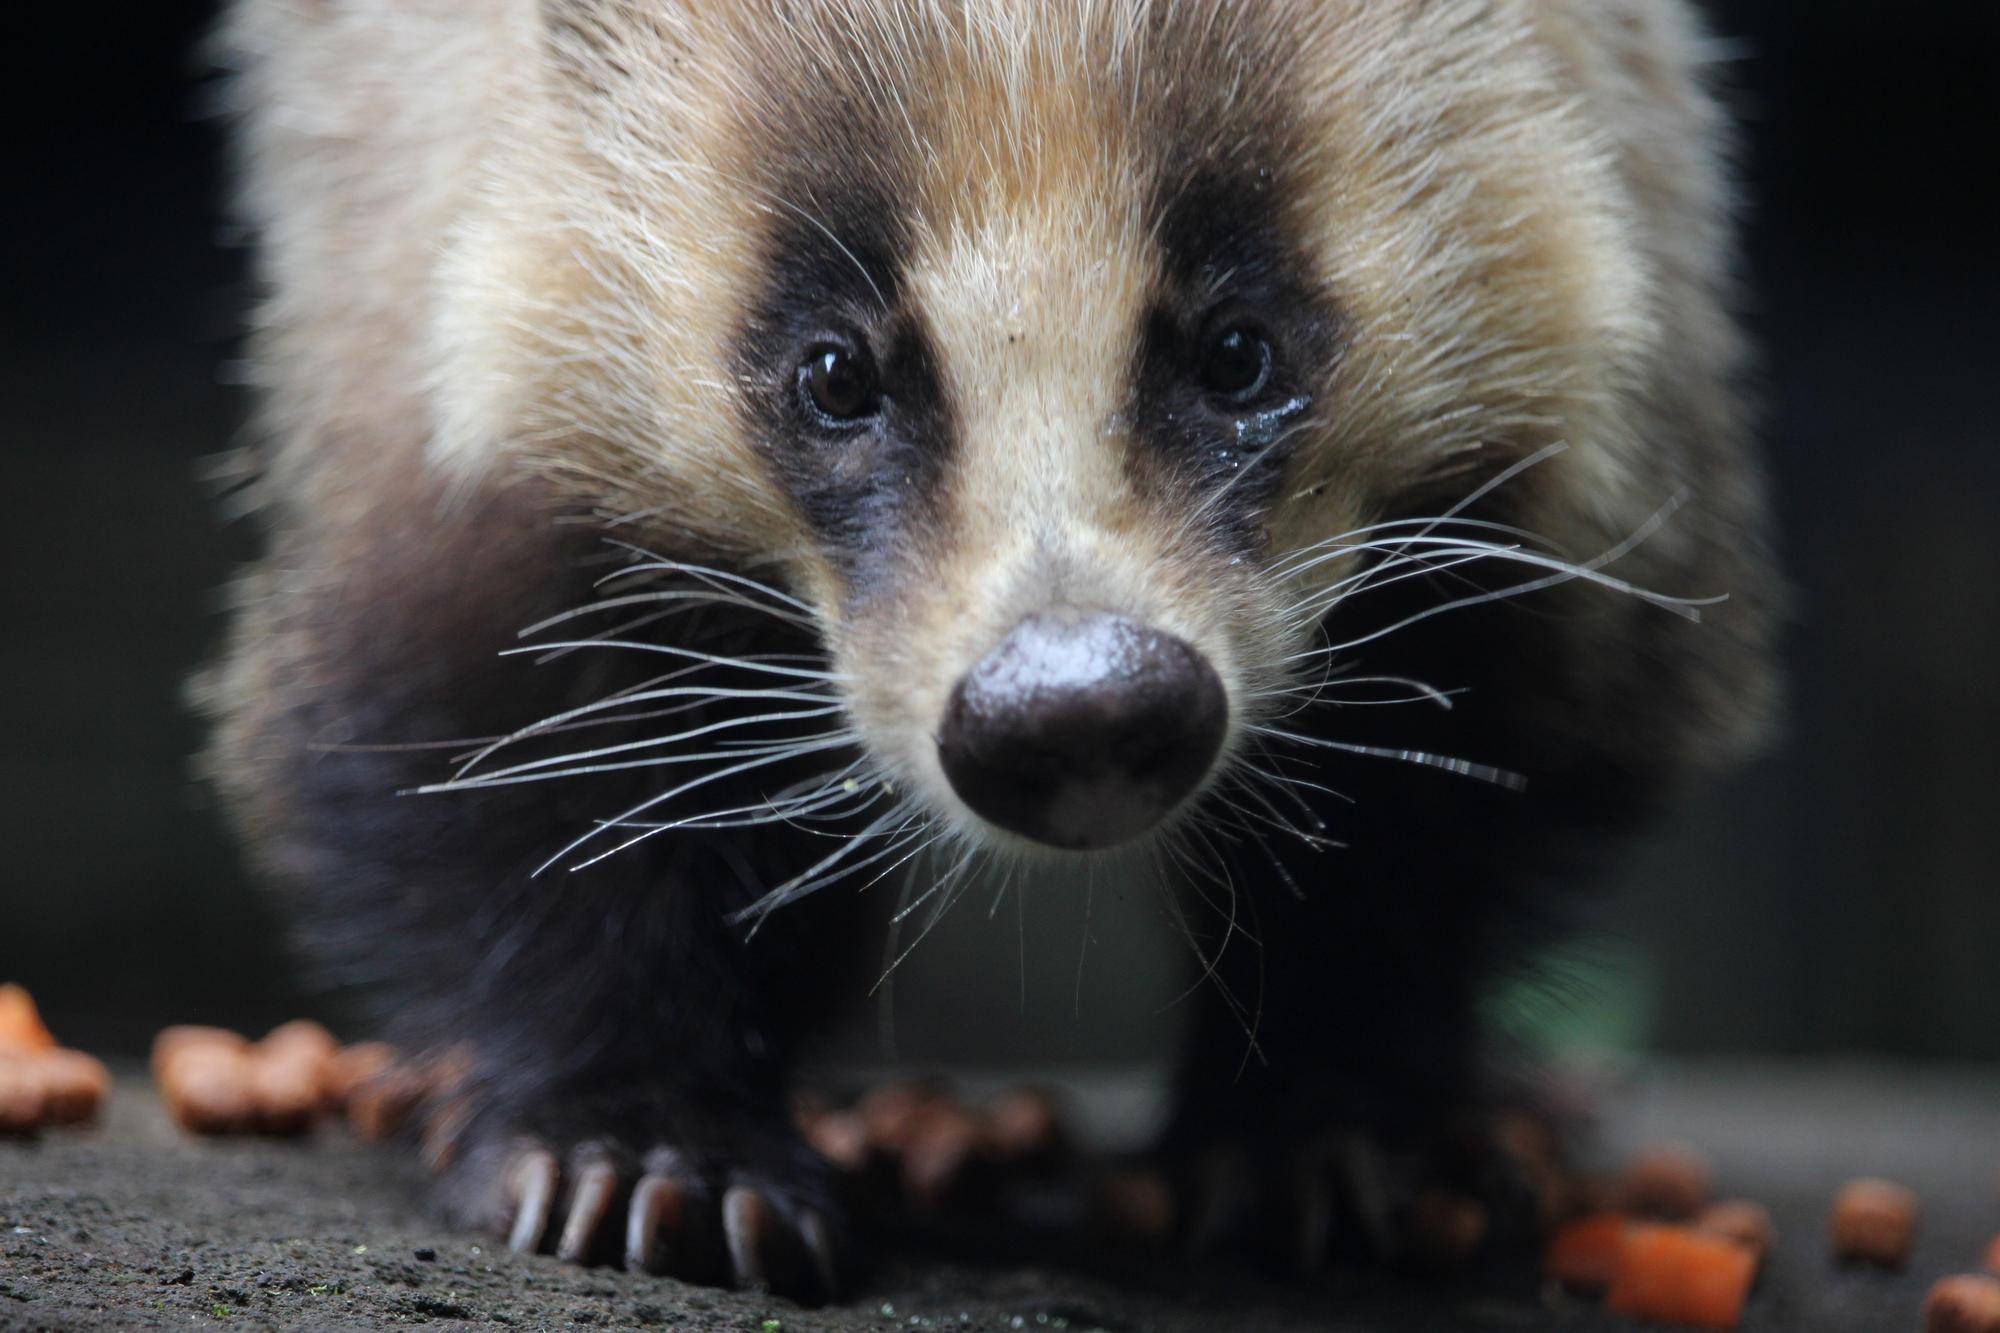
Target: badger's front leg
{"points": [[1338, 1100], [627, 1104], [626, 1045]]}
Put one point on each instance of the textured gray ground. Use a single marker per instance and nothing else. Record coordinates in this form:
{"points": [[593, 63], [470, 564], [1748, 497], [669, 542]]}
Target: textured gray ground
{"points": [[132, 1226]]}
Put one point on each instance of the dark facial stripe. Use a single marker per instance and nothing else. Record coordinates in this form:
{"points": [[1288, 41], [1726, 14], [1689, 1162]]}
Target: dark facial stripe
{"points": [[1222, 205], [1211, 108], [833, 266]]}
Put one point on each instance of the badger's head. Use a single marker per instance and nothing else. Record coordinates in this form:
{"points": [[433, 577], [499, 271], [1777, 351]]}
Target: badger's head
{"points": [[1059, 358]]}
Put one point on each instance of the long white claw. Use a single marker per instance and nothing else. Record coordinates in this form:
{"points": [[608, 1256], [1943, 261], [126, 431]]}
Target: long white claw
{"points": [[745, 1217], [588, 1206], [655, 1200], [533, 1190]]}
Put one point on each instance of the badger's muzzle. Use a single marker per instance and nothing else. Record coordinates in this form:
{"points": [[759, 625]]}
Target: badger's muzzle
{"points": [[1082, 732]]}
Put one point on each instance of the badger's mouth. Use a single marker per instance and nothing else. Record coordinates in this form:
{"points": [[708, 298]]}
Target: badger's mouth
{"points": [[1082, 731]]}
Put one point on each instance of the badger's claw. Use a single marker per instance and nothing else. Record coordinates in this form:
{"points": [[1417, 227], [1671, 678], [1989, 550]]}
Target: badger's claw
{"points": [[589, 1205], [1344, 1197], [669, 1226], [531, 1196], [673, 1219], [770, 1250]]}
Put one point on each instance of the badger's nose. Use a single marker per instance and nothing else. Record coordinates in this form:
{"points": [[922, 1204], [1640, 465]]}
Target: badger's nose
{"points": [[1082, 732]]}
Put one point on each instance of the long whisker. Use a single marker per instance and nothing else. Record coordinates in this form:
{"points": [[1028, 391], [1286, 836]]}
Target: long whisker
{"points": [[653, 802], [1499, 777], [942, 884], [580, 759], [687, 654], [830, 866]]}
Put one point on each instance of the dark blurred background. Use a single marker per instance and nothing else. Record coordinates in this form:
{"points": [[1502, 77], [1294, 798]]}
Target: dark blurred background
{"points": [[1840, 896]]}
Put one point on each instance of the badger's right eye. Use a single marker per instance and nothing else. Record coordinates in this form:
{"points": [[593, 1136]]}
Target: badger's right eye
{"points": [[838, 385]]}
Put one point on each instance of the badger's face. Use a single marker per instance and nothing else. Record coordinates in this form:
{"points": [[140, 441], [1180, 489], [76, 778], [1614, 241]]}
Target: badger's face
{"points": [[1035, 343]]}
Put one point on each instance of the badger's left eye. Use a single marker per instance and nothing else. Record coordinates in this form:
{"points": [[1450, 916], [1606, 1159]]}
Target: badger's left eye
{"points": [[1236, 362], [839, 384]]}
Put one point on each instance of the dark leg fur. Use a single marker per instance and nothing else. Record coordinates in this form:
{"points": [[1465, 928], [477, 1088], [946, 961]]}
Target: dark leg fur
{"points": [[1348, 1068], [617, 1025]]}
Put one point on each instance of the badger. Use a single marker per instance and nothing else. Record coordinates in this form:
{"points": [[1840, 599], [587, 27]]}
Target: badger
{"points": [[715, 458]]}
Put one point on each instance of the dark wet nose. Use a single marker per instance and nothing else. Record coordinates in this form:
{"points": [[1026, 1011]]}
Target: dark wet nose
{"points": [[1082, 732]]}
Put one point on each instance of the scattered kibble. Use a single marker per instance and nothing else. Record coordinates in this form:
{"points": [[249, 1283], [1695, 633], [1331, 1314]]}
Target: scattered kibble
{"points": [[22, 1031], [23, 1096], [74, 1086], [379, 1106], [840, 1137], [1024, 1124], [205, 1082], [41, 1082], [1668, 1180], [888, 1112], [1583, 1255], [1874, 1222], [1968, 1303], [214, 1081], [921, 1147], [1677, 1275], [940, 1145], [1744, 1221], [354, 1065]]}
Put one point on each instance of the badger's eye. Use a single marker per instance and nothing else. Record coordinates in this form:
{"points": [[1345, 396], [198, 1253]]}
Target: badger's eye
{"points": [[839, 384], [1235, 362]]}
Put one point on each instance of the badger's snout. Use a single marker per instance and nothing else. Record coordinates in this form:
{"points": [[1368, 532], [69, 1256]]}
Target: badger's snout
{"points": [[1082, 732]]}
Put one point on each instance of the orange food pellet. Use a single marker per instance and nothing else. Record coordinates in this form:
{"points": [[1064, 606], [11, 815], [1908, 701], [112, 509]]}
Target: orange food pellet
{"points": [[302, 1040], [1668, 1180], [937, 1148], [284, 1090], [207, 1089], [171, 1041], [1874, 1221], [1968, 1303], [42, 1083], [1024, 1123], [1742, 1220], [21, 1028], [1584, 1254], [1677, 1275], [891, 1111], [380, 1106], [299, 1057], [840, 1137], [1993, 1255], [74, 1086], [23, 1095], [352, 1066]]}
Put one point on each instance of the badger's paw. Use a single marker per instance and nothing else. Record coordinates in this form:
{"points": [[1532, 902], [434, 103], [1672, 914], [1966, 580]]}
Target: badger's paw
{"points": [[1345, 1198], [763, 1220]]}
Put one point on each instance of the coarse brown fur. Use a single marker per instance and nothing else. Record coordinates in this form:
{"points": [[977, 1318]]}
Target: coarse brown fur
{"points": [[532, 272]]}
